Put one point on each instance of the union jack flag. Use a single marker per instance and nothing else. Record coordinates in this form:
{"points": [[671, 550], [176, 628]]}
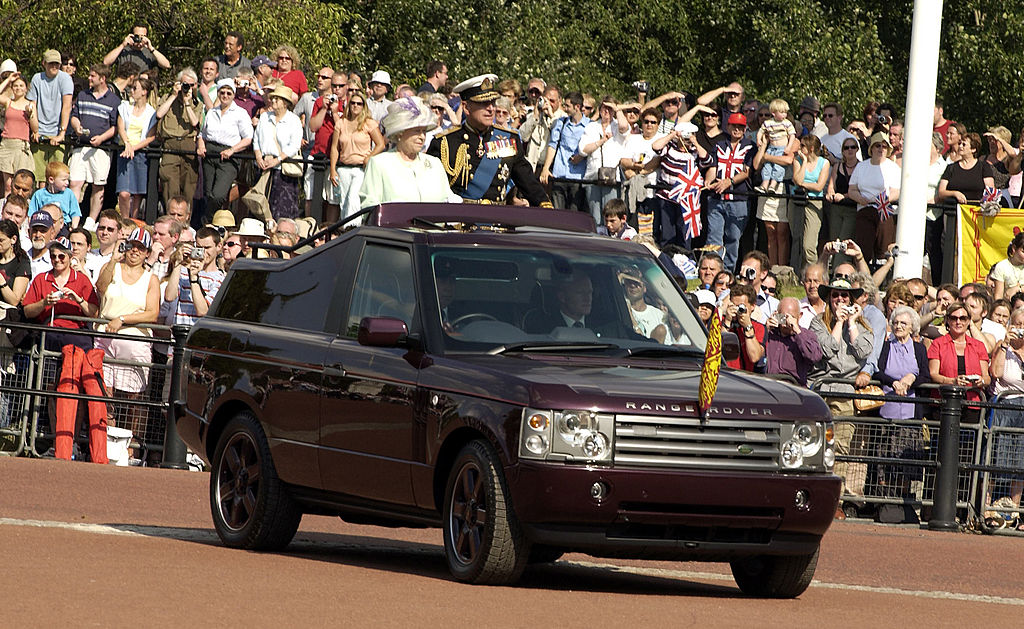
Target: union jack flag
{"points": [[690, 205], [883, 205], [990, 195], [731, 161], [688, 182]]}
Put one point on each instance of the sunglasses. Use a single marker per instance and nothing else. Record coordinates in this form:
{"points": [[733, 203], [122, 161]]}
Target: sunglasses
{"points": [[920, 297], [750, 110], [635, 112], [326, 77], [60, 256], [631, 284], [106, 229], [841, 276], [501, 112], [437, 109], [338, 85], [769, 289], [283, 58], [672, 101], [356, 102], [960, 318], [534, 92], [841, 295], [849, 148], [650, 122], [232, 243], [223, 92], [586, 108], [764, 115]]}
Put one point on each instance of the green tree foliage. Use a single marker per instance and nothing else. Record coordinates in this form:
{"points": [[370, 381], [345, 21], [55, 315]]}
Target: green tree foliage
{"points": [[851, 51]]}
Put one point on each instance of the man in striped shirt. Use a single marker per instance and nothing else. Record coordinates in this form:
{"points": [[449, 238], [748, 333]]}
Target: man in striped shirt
{"points": [[199, 279]]}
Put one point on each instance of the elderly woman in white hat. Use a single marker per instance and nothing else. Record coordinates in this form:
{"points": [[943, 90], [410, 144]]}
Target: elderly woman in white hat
{"points": [[405, 173], [279, 137], [227, 130]]}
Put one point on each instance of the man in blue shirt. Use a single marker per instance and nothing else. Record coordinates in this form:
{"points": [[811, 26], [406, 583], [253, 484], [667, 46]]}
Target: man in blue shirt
{"points": [[51, 91], [94, 121], [564, 159]]}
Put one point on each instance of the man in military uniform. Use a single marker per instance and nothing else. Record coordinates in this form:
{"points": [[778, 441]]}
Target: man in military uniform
{"points": [[480, 158]]}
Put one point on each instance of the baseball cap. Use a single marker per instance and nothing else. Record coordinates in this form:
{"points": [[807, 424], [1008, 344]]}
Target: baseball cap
{"points": [[737, 118], [51, 56], [60, 243], [705, 298], [40, 218], [8, 66], [382, 77], [141, 236], [261, 60]]}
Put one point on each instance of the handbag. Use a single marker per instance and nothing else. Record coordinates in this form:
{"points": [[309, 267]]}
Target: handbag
{"points": [[606, 174], [255, 201], [288, 169], [869, 405]]}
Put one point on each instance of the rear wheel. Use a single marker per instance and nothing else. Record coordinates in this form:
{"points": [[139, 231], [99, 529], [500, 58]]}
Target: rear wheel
{"points": [[771, 576], [250, 505], [483, 542]]}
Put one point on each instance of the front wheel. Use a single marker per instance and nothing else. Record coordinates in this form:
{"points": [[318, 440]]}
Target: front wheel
{"points": [[771, 576], [251, 507], [483, 542]]}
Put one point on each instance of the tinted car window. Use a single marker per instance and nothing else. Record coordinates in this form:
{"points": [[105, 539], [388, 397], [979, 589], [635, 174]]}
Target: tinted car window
{"points": [[296, 296], [383, 287]]}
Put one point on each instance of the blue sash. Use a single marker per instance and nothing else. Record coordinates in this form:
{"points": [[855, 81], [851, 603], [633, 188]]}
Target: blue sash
{"points": [[486, 169]]}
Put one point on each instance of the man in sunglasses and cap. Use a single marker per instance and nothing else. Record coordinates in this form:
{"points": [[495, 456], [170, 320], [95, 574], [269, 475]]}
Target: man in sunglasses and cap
{"points": [[479, 158]]}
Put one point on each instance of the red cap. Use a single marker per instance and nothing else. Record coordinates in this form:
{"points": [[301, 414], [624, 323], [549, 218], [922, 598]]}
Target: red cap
{"points": [[737, 118]]}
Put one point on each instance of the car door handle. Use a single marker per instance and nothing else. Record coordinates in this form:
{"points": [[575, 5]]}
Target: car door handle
{"points": [[334, 371]]}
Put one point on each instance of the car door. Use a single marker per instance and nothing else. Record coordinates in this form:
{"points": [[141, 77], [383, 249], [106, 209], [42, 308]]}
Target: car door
{"points": [[368, 394]]}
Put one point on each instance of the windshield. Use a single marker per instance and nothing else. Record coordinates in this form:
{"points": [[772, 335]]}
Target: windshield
{"points": [[508, 299]]}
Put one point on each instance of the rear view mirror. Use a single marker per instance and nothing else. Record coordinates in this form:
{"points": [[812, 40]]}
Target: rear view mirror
{"points": [[382, 331]]}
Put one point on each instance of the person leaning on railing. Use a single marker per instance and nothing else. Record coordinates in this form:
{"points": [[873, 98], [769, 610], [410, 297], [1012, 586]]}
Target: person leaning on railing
{"points": [[1007, 371], [959, 358], [226, 131], [179, 115], [58, 292]]}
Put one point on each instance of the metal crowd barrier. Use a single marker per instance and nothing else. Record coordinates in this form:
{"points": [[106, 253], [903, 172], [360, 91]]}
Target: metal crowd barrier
{"points": [[950, 458], [28, 393]]}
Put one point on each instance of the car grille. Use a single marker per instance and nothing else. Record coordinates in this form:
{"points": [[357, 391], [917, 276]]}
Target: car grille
{"points": [[686, 442]]}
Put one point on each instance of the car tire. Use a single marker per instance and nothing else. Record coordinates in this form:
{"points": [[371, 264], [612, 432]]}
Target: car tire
{"points": [[250, 504], [483, 541], [773, 576]]}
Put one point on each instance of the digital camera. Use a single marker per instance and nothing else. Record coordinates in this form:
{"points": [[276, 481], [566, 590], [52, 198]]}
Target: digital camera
{"points": [[741, 309], [642, 86], [122, 247], [197, 253], [748, 273], [839, 246]]}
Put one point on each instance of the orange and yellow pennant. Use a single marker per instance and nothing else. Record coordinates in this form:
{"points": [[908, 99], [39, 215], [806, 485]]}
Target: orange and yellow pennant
{"points": [[712, 364]]}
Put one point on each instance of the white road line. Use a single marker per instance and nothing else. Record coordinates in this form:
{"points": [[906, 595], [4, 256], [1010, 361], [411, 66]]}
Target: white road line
{"points": [[199, 535]]}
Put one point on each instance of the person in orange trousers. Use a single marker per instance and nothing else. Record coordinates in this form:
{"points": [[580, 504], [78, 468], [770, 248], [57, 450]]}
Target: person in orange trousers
{"points": [[81, 370]]}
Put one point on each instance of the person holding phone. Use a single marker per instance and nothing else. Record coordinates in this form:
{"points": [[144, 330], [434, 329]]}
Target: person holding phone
{"points": [[959, 358]]}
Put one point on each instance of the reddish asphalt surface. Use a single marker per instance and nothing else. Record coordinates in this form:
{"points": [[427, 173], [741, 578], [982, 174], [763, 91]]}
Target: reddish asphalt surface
{"points": [[98, 546]]}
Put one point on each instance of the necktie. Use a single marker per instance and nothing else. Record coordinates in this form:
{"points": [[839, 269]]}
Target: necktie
{"points": [[578, 324]]}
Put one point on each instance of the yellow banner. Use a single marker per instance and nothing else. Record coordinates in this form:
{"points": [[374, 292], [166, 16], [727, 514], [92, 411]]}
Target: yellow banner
{"points": [[983, 240], [712, 364]]}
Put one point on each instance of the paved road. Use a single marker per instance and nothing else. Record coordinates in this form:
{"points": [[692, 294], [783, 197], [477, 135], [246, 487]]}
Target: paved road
{"points": [[90, 545]]}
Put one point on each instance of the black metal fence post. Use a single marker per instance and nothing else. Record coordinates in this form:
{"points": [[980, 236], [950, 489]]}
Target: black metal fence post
{"points": [[316, 209], [944, 498], [174, 448], [152, 187]]}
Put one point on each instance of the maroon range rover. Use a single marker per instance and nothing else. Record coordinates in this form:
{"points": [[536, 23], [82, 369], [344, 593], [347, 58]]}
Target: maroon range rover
{"points": [[511, 377]]}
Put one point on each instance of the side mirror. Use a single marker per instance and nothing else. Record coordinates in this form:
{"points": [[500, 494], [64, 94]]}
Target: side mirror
{"points": [[730, 345], [382, 332]]}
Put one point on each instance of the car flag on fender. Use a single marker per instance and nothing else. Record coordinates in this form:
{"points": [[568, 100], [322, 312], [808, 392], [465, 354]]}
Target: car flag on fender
{"points": [[712, 364]]}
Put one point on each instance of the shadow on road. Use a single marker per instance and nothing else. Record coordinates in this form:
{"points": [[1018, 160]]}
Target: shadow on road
{"points": [[427, 560]]}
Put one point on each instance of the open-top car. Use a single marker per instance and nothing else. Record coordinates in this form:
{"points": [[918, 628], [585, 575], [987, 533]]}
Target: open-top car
{"points": [[511, 377]]}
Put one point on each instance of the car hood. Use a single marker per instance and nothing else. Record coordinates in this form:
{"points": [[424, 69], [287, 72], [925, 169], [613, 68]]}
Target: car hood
{"points": [[649, 390]]}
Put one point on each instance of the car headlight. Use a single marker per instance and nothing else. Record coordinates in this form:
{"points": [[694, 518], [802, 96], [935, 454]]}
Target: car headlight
{"points": [[568, 435], [805, 443]]}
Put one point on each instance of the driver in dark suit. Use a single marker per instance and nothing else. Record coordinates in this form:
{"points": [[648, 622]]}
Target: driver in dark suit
{"points": [[575, 295]]}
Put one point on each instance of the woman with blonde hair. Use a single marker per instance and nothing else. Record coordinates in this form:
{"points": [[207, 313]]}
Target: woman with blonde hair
{"points": [[288, 61], [999, 153], [356, 139]]}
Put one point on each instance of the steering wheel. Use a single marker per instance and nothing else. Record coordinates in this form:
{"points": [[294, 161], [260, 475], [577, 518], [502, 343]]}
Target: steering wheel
{"points": [[469, 317]]}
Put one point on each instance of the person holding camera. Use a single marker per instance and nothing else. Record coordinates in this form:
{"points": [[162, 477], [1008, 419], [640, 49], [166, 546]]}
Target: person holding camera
{"points": [[139, 49], [198, 276], [751, 333], [790, 349], [178, 118]]}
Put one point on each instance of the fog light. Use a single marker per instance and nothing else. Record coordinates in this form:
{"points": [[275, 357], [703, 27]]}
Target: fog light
{"points": [[599, 491], [536, 444], [802, 500], [830, 457], [792, 454]]}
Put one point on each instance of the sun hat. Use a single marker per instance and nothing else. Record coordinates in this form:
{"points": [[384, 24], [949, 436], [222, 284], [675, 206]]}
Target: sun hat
{"points": [[223, 218], [880, 138], [825, 290], [251, 227], [408, 113], [283, 92], [688, 128], [810, 103], [8, 66]]}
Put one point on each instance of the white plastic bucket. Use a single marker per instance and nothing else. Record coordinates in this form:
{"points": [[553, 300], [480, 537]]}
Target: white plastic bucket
{"points": [[118, 440]]}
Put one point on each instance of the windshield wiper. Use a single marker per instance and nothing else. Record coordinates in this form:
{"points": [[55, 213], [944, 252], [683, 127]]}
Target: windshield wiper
{"points": [[551, 347], [662, 350]]}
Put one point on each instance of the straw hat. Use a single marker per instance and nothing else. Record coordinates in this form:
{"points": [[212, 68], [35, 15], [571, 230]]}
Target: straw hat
{"points": [[251, 227], [223, 218]]}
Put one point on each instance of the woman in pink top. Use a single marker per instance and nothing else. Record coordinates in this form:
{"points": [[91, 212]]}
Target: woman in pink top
{"points": [[19, 123], [356, 139]]}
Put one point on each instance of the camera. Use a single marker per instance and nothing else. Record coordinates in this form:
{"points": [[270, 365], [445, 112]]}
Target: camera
{"points": [[850, 310], [642, 86], [1017, 331], [884, 120], [122, 247], [59, 293], [541, 102], [197, 253], [839, 246], [332, 98], [243, 83], [137, 39], [741, 309], [892, 254], [973, 377], [748, 273]]}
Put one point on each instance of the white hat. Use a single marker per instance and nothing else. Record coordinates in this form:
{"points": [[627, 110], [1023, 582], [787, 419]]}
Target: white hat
{"points": [[382, 77], [479, 89], [8, 66], [686, 128], [251, 227], [408, 113], [705, 298], [230, 83]]}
